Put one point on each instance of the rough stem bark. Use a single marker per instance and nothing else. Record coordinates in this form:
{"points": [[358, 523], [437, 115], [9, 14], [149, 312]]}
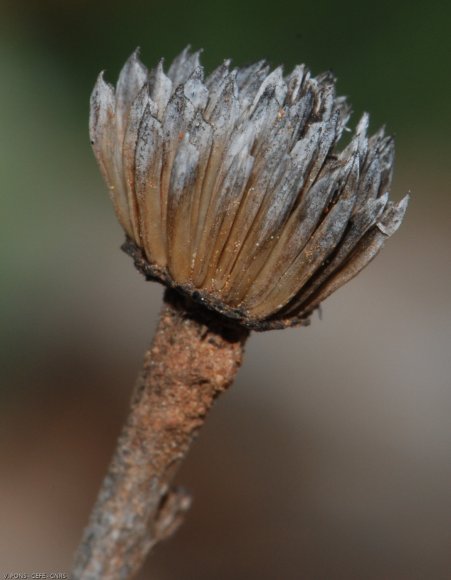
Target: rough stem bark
{"points": [[194, 357]]}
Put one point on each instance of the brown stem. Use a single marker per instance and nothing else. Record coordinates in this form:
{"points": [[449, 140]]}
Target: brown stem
{"points": [[194, 356]]}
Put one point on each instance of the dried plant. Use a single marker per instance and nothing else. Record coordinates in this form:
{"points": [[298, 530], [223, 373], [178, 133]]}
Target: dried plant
{"points": [[232, 193]]}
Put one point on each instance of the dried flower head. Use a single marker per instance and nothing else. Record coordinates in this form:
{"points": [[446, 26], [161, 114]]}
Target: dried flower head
{"points": [[230, 187]]}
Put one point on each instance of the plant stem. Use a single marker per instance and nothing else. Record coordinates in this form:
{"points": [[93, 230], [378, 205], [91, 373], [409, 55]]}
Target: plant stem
{"points": [[194, 356]]}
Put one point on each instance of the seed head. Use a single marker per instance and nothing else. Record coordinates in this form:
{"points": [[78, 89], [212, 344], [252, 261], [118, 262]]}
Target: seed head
{"points": [[230, 187]]}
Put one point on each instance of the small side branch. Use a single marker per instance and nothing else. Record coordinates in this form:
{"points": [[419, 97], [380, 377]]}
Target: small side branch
{"points": [[194, 357]]}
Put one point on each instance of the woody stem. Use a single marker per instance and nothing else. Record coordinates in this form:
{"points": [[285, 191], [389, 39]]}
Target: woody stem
{"points": [[194, 357]]}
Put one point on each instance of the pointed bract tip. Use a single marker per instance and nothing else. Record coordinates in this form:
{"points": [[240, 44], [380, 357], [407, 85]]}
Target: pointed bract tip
{"points": [[363, 124], [134, 58], [393, 216], [102, 85]]}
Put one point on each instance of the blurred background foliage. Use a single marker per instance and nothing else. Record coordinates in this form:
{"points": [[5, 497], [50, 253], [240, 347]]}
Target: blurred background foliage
{"points": [[338, 442]]}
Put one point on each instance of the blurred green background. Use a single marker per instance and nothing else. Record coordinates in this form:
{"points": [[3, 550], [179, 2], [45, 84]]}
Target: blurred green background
{"points": [[330, 458]]}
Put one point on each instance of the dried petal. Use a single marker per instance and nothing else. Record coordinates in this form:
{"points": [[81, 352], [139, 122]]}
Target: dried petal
{"points": [[102, 129], [181, 187]]}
